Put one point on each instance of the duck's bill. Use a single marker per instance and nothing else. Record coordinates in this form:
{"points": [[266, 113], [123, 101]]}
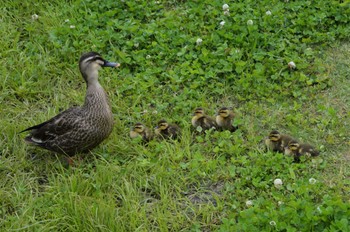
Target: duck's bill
{"points": [[111, 64]]}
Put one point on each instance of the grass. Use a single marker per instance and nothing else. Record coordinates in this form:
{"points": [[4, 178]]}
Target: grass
{"points": [[199, 183]]}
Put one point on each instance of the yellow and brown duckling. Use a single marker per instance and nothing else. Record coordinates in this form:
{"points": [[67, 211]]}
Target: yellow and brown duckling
{"points": [[200, 119], [164, 130], [277, 141], [140, 130], [224, 119], [297, 149], [79, 129]]}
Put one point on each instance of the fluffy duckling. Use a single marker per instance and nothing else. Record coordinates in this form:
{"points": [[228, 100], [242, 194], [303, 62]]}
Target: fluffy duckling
{"points": [[277, 141], [141, 130], [165, 130], [79, 129], [204, 121], [297, 149], [224, 119]]}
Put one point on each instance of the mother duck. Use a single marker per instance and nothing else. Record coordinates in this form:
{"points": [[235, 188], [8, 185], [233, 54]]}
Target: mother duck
{"points": [[79, 129]]}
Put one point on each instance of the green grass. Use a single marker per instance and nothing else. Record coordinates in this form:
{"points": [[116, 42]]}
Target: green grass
{"points": [[199, 183]]}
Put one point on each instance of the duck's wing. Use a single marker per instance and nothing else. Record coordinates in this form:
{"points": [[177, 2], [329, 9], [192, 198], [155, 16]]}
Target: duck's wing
{"points": [[54, 127], [210, 123], [174, 131]]}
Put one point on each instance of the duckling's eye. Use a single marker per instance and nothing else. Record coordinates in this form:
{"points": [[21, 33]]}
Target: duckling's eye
{"points": [[293, 146], [273, 137]]}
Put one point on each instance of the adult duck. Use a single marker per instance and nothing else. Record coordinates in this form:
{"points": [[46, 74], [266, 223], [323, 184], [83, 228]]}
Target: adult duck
{"points": [[79, 129]]}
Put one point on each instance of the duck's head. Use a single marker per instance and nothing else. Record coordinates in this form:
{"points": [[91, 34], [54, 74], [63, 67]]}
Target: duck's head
{"points": [[199, 112], [293, 145], [139, 128], [274, 136], [224, 112], [162, 125], [90, 63]]}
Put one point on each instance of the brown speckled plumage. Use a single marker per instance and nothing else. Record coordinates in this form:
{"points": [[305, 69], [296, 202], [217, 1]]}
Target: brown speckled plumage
{"points": [[79, 129]]}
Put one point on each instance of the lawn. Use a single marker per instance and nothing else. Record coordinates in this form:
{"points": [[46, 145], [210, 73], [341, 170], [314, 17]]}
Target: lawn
{"points": [[176, 56]]}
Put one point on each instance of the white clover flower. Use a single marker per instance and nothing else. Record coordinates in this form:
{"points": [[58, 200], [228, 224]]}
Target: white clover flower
{"points": [[136, 45], [291, 65], [312, 180], [280, 203], [249, 203], [222, 23], [319, 209], [35, 17], [199, 41], [268, 12], [227, 12], [71, 26], [225, 7], [278, 183], [66, 21], [148, 57], [250, 22], [272, 223]]}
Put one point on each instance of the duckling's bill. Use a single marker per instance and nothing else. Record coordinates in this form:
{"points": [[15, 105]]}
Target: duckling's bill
{"points": [[111, 64]]}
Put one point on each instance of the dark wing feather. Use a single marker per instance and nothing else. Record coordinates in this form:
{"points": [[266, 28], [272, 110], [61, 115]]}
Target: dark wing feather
{"points": [[53, 127], [174, 131], [210, 123]]}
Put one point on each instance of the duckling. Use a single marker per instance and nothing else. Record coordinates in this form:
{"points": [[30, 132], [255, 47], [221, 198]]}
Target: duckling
{"points": [[140, 129], [79, 129], [224, 119], [165, 130], [297, 149], [204, 121], [277, 141]]}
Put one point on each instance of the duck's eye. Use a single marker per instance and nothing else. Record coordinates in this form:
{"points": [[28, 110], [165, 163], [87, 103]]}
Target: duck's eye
{"points": [[98, 60]]}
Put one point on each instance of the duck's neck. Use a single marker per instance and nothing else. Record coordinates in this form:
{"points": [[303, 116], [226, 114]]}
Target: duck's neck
{"points": [[96, 98]]}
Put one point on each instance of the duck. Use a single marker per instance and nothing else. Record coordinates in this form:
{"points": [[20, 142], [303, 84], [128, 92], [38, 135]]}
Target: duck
{"points": [[224, 119], [164, 130], [140, 130], [277, 142], [297, 149], [200, 119], [79, 129]]}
